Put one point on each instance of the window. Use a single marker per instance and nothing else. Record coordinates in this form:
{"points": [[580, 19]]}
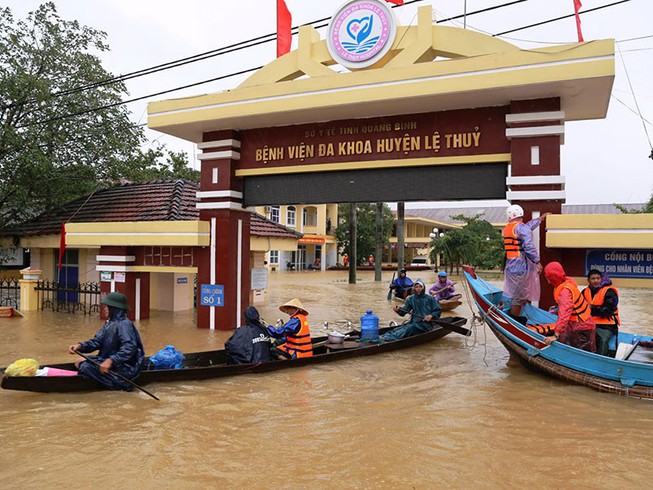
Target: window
{"points": [[309, 216], [291, 214], [274, 256], [274, 214]]}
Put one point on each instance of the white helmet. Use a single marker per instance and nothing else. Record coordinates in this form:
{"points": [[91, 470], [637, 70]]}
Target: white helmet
{"points": [[515, 211]]}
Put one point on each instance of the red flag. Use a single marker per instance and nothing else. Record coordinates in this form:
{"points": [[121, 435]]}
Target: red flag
{"points": [[577, 6], [284, 26], [62, 245], [396, 2]]}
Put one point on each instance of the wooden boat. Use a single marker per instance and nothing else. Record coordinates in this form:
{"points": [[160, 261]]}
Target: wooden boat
{"points": [[211, 364], [631, 374]]}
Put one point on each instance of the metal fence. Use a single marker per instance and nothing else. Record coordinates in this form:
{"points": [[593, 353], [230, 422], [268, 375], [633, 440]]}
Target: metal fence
{"points": [[9, 292], [69, 298]]}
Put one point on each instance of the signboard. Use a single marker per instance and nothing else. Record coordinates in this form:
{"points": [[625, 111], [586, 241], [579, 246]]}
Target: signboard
{"points": [[631, 264], [306, 240], [361, 33], [212, 295], [463, 132], [259, 278], [119, 276], [105, 276], [182, 280]]}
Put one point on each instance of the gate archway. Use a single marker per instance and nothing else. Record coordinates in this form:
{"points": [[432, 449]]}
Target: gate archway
{"points": [[446, 114]]}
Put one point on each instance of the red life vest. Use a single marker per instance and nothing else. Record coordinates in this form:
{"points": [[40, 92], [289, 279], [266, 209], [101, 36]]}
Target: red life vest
{"points": [[511, 243], [598, 300], [299, 345], [581, 310]]}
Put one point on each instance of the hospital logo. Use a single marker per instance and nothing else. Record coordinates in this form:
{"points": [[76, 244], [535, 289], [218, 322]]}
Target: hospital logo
{"points": [[361, 33]]}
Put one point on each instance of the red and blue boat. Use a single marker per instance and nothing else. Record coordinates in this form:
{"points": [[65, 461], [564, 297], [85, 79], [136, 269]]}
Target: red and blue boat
{"points": [[629, 374]]}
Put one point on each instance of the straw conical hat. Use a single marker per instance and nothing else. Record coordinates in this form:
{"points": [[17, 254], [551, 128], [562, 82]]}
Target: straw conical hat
{"points": [[291, 305]]}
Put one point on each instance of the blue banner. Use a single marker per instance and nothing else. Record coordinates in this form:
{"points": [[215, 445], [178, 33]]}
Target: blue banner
{"points": [[629, 264], [212, 295]]}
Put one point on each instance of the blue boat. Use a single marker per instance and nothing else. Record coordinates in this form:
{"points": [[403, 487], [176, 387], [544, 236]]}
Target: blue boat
{"points": [[630, 374]]}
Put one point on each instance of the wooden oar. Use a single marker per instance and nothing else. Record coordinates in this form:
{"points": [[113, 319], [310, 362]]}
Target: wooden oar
{"points": [[447, 326], [390, 289], [117, 375], [446, 287]]}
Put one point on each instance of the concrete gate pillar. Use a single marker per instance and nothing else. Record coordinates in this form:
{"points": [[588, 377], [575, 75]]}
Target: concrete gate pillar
{"points": [[226, 262], [535, 129], [119, 262]]}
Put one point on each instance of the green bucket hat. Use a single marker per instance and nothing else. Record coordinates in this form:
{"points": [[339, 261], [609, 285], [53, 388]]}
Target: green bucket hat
{"points": [[117, 300]]}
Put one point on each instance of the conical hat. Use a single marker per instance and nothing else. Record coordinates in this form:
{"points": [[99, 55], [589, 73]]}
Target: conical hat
{"points": [[291, 305]]}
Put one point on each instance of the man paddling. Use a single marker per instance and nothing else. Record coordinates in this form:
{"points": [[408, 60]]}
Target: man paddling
{"points": [[119, 345]]}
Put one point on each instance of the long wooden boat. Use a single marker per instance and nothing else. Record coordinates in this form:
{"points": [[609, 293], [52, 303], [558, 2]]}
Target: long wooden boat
{"points": [[630, 376], [212, 364]]}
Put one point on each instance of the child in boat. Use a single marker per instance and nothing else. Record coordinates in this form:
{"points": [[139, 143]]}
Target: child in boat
{"points": [[574, 325]]}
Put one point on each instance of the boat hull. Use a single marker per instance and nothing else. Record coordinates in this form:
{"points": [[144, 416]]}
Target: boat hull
{"points": [[211, 364], [560, 361]]}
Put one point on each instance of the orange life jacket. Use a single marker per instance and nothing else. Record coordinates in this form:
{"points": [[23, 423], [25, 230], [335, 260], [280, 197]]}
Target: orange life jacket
{"points": [[598, 300], [511, 244], [581, 309], [299, 345], [544, 328]]}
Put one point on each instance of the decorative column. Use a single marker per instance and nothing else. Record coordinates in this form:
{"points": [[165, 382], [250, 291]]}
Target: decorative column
{"points": [[223, 280], [29, 300], [116, 268], [535, 129]]}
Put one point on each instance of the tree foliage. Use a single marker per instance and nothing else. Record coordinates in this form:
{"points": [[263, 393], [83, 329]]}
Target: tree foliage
{"points": [[365, 229], [64, 131], [477, 244], [648, 208]]}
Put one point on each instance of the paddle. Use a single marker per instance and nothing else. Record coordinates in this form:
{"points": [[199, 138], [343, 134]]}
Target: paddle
{"points": [[440, 290], [390, 290], [447, 326], [127, 380]]}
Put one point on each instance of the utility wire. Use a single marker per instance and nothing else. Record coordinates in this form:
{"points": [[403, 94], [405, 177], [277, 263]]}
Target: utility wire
{"points": [[261, 40]]}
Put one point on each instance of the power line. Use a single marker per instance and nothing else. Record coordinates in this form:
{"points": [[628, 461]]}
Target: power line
{"points": [[256, 41]]}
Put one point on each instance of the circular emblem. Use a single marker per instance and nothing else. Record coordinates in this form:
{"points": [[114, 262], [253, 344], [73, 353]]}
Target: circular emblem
{"points": [[361, 33]]}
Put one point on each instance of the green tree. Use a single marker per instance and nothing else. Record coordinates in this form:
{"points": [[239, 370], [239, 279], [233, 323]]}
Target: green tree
{"points": [[55, 144], [159, 164], [648, 208], [365, 229], [477, 244]]}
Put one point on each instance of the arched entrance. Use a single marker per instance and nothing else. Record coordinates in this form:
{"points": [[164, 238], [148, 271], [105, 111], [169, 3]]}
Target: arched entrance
{"points": [[444, 114]]}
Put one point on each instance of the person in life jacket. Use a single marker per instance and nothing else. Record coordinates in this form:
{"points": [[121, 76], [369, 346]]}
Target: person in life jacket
{"points": [[296, 333], [603, 298], [522, 269], [574, 325]]}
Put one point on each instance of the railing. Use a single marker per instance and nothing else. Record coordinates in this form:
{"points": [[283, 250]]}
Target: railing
{"points": [[9, 292], [70, 298]]}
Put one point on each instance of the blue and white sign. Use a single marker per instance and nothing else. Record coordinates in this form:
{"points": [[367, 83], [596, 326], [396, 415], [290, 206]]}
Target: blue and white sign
{"points": [[212, 295], [632, 264]]}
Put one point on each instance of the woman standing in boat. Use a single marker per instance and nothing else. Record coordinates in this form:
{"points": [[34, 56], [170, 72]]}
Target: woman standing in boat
{"points": [[574, 325], [296, 332]]}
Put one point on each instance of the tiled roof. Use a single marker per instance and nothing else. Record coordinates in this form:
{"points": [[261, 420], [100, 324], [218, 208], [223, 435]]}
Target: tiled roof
{"points": [[156, 200], [261, 226], [497, 214]]}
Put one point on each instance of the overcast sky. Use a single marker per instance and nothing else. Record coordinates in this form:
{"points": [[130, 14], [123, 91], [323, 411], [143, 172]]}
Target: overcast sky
{"points": [[604, 161]]}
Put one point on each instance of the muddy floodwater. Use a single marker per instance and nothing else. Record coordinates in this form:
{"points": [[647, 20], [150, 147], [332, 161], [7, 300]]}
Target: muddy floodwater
{"points": [[451, 414]]}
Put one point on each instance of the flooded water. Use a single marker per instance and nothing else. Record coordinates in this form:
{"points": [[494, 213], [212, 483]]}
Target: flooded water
{"points": [[447, 415]]}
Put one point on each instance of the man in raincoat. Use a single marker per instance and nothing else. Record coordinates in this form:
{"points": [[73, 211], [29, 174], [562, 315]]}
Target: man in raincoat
{"points": [[250, 343], [119, 345], [422, 308]]}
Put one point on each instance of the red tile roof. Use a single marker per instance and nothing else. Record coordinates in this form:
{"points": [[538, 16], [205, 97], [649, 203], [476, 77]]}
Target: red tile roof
{"points": [[156, 200]]}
